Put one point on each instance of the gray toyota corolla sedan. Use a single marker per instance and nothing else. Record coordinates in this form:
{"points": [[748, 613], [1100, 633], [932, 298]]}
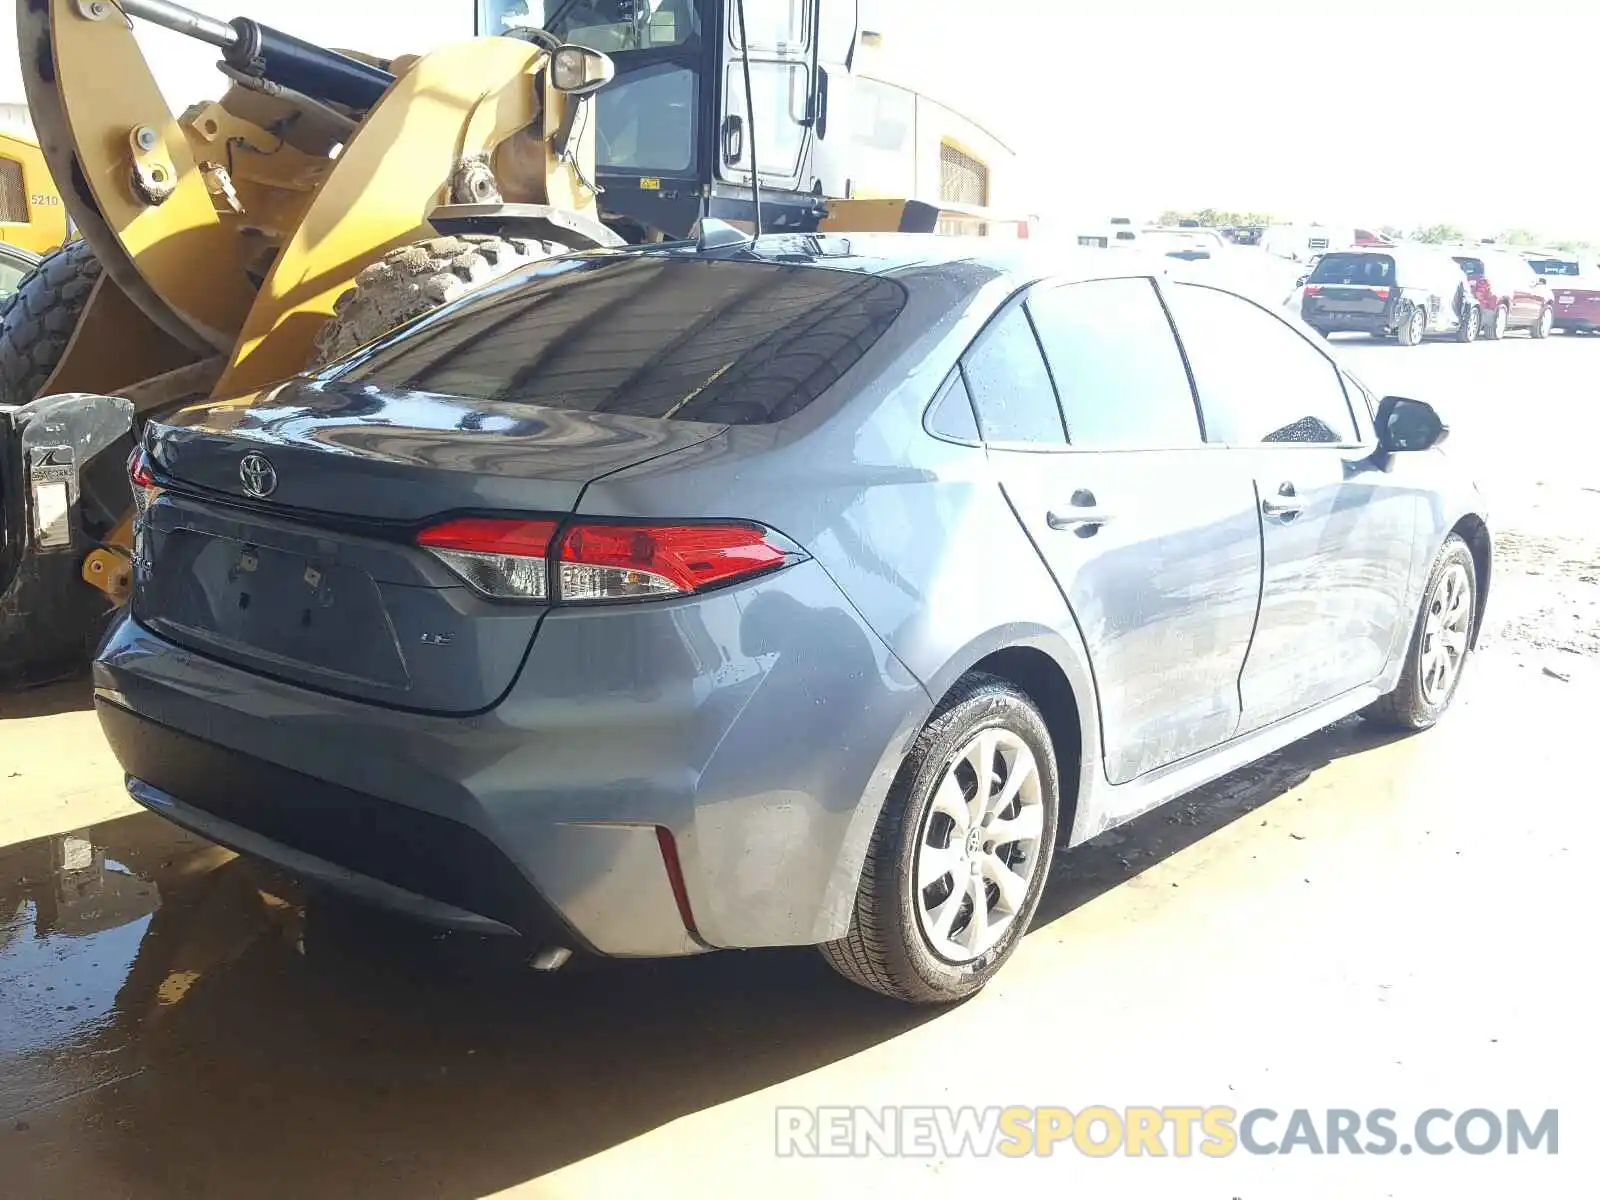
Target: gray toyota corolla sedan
{"points": [[809, 592]]}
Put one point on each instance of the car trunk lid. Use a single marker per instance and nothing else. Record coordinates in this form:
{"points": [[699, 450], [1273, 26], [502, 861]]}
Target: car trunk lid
{"points": [[302, 563]]}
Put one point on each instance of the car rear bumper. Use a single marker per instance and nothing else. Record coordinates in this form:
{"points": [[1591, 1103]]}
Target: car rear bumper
{"points": [[759, 727], [1583, 323], [1344, 322]]}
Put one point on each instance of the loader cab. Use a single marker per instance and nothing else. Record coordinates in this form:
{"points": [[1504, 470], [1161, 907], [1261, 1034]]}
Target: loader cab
{"points": [[673, 131]]}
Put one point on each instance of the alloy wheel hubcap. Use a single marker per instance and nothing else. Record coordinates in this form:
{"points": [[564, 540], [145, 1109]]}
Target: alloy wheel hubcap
{"points": [[978, 847], [1544, 321], [1500, 319], [1445, 631]]}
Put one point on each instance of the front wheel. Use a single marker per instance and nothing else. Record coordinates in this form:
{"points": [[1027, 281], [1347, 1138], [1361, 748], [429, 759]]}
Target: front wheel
{"points": [[1440, 643], [1495, 328], [1470, 325], [1541, 328], [959, 856]]}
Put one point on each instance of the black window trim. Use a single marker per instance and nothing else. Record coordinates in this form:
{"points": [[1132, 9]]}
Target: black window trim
{"points": [[1361, 442]]}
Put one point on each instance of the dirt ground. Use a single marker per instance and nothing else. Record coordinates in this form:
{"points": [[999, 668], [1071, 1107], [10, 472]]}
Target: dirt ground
{"points": [[1356, 922]]}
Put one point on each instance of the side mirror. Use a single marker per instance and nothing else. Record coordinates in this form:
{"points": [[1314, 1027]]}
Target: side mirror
{"points": [[1404, 424], [1543, 281], [1301, 282]]}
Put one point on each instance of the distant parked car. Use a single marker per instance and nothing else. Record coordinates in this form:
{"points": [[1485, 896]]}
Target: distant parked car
{"points": [[1509, 290], [585, 606], [1553, 266], [1404, 292], [1186, 243], [1576, 303]]}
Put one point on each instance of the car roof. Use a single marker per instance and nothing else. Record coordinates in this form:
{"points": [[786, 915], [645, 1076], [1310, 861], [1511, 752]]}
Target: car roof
{"points": [[1021, 259]]}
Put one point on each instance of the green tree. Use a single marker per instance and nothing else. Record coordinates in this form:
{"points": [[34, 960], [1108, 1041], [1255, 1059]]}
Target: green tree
{"points": [[1440, 234]]}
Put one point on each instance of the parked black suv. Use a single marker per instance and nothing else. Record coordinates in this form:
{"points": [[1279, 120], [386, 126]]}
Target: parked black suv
{"points": [[1406, 292]]}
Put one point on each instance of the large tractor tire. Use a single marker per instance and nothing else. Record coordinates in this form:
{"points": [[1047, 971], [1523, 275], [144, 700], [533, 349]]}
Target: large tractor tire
{"points": [[37, 320], [416, 279]]}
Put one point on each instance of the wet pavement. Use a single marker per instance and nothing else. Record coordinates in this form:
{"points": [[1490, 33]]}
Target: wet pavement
{"points": [[1357, 921]]}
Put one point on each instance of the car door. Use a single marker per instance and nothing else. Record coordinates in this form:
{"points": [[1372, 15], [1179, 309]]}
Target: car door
{"points": [[1153, 542], [781, 38], [1336, 532], [1530, 293]]}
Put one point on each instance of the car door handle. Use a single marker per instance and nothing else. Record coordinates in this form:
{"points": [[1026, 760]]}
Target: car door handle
{"points": [[1084, 514], [1076, 518], [1284, 504]]}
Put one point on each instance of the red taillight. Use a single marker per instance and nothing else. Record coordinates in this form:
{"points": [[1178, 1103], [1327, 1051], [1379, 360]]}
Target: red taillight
{"points": [[1313, 289], [139, 473], [142, 479], [620, 562], [500, 557], [1382, 293], [511, 559]]}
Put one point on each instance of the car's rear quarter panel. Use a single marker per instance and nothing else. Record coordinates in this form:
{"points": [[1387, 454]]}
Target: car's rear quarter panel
{"points": [[915, 532]]}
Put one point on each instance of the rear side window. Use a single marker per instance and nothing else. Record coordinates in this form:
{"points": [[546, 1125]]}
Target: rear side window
{"points": [[1354, 269], [1471, 267], [650, 336], [951, 415], [1010, 387], [1259, 380], [1117, 367]]}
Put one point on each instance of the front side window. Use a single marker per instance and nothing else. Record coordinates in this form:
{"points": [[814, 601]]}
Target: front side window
{"points": [[608, 25], [1010, 386], [646, 116], [647, 120], [1116, 365], [641, 335], [1259, 379]]}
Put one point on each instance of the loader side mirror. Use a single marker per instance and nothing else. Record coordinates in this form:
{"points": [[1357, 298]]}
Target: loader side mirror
{"points": [[578, 70]]}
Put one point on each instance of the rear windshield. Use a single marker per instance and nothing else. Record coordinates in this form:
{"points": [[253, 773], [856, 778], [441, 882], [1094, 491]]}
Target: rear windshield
{"points": [[737, 343], [1354, 268], [1472, 268], [1554, 266]]}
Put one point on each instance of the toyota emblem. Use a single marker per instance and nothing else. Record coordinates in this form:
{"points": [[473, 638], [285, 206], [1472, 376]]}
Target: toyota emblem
{"points": [[258, 475]]}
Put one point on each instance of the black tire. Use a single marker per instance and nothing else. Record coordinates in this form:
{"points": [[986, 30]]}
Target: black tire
{"points": [[1471, 325], [1408, 708], [412, 280], [1413, 325], [37, 320], [1496, 329], [885, 949], [1541, 328]]}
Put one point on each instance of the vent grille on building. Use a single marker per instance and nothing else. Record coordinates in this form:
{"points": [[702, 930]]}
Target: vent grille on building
{"points": [[13, 192], [962, 180]]}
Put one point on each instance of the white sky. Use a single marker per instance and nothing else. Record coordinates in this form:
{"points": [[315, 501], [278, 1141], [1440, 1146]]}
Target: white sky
{"points": [[1410, 111]]}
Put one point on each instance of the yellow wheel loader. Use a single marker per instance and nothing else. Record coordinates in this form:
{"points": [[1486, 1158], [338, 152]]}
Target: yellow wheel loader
{"points": [[331, 195], [323, 199]]}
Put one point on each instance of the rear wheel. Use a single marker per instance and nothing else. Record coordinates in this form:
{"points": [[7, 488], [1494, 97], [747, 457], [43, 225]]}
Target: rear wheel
{"points": [[1541, 327], [960, 853], [1440, 643], [1412, 326], [1495, 328], [412, 280], [37, 320], [1470, 325]]}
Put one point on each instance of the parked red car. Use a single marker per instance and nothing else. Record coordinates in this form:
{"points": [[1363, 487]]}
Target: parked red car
{"points": [[1577, 304], [1511, 295]]}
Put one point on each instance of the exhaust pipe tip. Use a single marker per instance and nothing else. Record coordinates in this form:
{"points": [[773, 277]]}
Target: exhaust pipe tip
{"points": [[551, 958]]}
